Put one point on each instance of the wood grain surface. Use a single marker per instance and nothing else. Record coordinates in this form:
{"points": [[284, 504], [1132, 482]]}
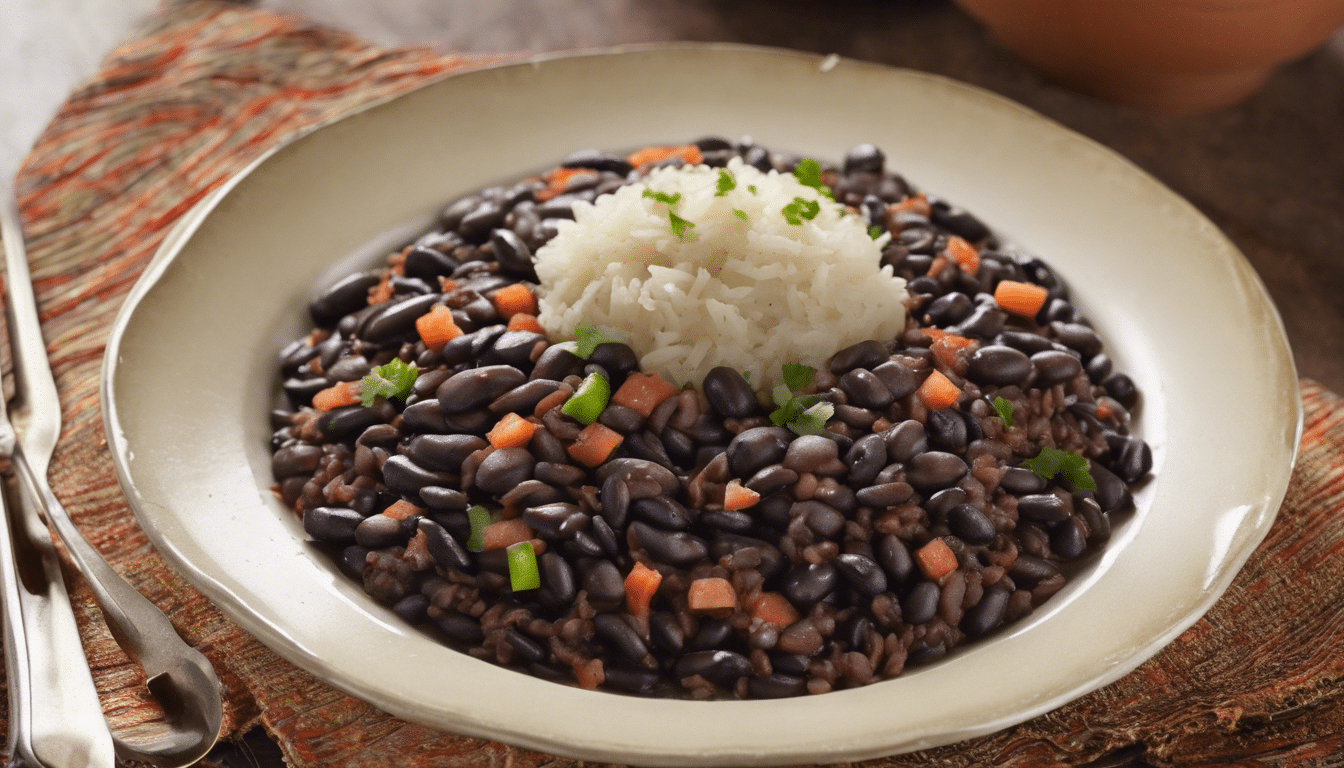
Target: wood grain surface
{"points": [[211, 85]]}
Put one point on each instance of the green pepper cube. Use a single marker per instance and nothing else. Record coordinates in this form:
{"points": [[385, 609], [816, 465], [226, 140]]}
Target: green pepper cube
{"points": [[479, 517], [590, 400], [523, 573]]}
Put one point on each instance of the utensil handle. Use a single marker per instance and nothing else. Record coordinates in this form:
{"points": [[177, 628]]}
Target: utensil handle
{"points": [[137, 624], [56, 720]]}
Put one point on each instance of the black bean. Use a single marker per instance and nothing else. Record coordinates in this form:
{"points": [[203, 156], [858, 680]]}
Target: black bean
{"points": [[404, 476], [630, 680], [605, 537], [620, 636], [1111, 492], [646, 446], [443, 453], [984, 322], [822, 519], [988, 613], [1099, 367], [884, 495], [661, 511], [948, 309], [1024, 341], [935, 470], [863, 573], [1078, 337], [940, 504], [640, 470], [923, 285], [772, 478], [1132, 461], [397, 318], [1043, 507], [1022, 481], [413, 608], [905, 440], [604, 585], [615, 499], [1028, 570], [557, 362], [477, 224], [478, 387], [526, 648], [475, 421], [352, 561], [1053, 367], [813, 453], [558, 520], [622, 419], [839, 496], [349, 368], [298, 459], [865, 389], [854, 632], [504, 469], [524, 398], [921, 604], [429, 263], [865, 354], [558, 577], [443, 547], [512, 348], [713, 633], [665, 633], [444, 499], [378, 531], [756, 448], [1121, 387], [970, 525], [918, 239], [680, 447], [1059, 309], [723, 668], [865, 459], [598, 161], [672, 547], [336, 524], [617, 358], [729, 394], [946, 430], [1067, 538], [1098, 522], [808, 584], [463, 629], [865, 158], [343, 297], [998, 364], [776, 686], [512, 252], [727, 520], [349, 422], [957, 220]]}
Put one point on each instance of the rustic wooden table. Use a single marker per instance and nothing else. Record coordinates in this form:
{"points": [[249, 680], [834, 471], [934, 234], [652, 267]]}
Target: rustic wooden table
{"points": [[1269, 172]]}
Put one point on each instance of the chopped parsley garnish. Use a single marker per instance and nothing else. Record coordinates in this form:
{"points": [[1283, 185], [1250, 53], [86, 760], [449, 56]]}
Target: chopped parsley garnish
{"points": [[803, 414], [679, 225], [751, 188], [746, 376], [800, 209], [663, 197], [395, 379], [588, 336], [739, 213], [808, 173], [726, 183], [1004, 408], [876, 231], [1052, 461]]}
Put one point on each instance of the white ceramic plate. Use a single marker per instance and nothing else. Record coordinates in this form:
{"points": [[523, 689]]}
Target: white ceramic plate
{"points": [[189, 378]]}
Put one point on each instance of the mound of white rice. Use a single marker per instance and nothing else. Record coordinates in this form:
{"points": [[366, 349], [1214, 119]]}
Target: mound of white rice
{"points": [[741, 287]]}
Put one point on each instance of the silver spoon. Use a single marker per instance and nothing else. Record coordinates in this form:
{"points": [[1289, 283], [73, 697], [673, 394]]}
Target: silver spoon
{"points": [[179, 677]]}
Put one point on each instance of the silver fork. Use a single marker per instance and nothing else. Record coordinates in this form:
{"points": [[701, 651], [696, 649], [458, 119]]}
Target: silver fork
{"points": [[179, 677]]}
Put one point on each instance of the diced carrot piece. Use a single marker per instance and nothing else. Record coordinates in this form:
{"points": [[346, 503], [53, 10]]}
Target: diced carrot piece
{"points": [[917, 204], [946, 345], [938, 391], [437, 327], [447, 284], [556, 181], [525, 322], [644, 392], [338, 395], [501, 534], [688, 152], [936, 559], [402, 509], [640, 586], [383, 290], [590, 674], [964, 254], [737, 496], [595, 444], [1025, 299], [512, 299], [713, 596], [772, 606], [512, 431], [940, 262], [397, 261]]}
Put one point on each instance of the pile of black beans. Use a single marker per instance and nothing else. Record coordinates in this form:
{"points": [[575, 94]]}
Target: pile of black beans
{"points": [[842, 516]]}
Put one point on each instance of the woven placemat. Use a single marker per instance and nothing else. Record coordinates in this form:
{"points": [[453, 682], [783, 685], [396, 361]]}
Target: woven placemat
{"points": [[208, 88]]}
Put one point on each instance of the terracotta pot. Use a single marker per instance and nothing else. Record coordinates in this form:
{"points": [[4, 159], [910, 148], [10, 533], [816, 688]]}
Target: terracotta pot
{"points": [[1180, 56]]}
